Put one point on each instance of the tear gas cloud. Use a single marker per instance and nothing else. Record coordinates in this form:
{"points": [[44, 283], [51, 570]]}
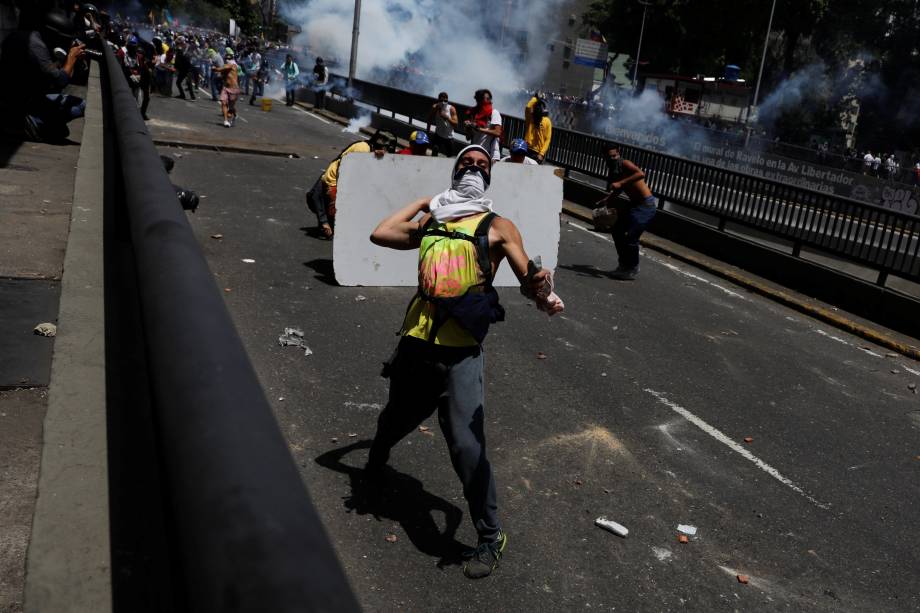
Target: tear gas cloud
{"points": [[430, 46]]}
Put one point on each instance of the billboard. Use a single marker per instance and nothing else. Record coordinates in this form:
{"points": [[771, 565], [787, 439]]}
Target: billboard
{"points": [[590, 52]]}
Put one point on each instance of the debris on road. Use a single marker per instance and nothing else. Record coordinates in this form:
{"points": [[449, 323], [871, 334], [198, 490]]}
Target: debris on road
{"points": [[891, 355], [895, 372], [360, 298], [748, 439], [334, 439], [682, 539], [579, 482], [280, 398], [248, 261], [227, 290], [425, 430], [743, 579], [688, 530], [541, 355], [391, 538], [45, 329], [912, 387], [217, 236], [352, 435], [293, 337], [611, 526]]}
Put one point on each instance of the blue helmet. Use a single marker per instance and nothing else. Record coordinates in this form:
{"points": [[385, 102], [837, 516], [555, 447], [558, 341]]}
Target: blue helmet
{"points": [[518, 145], [421, 138]]}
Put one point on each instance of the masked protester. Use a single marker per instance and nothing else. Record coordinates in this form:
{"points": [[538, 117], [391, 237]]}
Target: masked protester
{"points": [[438, 364], [633, 216], [538, 129], [484, 124]]}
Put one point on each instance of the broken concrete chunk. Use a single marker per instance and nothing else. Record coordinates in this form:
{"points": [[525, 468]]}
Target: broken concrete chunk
{"points": [[45, 329]]}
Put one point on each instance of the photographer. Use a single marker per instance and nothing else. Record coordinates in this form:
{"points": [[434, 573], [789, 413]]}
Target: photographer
{"points": [[443, 115], [38, 108]]}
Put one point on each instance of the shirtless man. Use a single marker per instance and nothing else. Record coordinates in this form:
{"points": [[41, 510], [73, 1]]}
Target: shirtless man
{"points": [[438, 365], [228, 95], [633, 216]]}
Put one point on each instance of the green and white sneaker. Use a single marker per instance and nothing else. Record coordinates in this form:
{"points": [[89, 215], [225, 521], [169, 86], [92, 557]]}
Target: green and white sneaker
{"points": [[485, 558]]}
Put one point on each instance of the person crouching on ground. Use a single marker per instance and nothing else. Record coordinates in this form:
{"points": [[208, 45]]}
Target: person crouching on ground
{"points": [[634, 216], [438, 364], [321, 198]]}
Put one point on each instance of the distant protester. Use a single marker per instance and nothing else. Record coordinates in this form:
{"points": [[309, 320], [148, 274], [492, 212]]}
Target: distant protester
{"points": [[538, 129], [484, 124], [231, 90], [291, 73], [37, 63], [633, 216], [443, 115], [320, 83], [519, 153], [418, 144]]}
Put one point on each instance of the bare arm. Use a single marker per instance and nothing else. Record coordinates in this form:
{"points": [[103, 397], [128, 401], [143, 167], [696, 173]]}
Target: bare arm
{"points": [[635, 174], [453, 117], [398, 231], [510, 245]]}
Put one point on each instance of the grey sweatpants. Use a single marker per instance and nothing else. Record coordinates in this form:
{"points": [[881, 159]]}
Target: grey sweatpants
{"points": [[425, 377]]}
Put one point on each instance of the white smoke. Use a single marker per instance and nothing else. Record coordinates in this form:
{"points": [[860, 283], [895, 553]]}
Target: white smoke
{"points": [[791, 93], [440, 45], [363, 120]]}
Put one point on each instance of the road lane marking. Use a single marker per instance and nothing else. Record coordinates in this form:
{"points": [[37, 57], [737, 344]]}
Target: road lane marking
{"points": [[314, 116], [668, 265], [734, 446], [843, 341]]}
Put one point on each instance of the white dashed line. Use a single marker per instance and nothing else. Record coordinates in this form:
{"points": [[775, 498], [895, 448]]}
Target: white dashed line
{"points": [[848, 343], [668, 265], [734, 446]]}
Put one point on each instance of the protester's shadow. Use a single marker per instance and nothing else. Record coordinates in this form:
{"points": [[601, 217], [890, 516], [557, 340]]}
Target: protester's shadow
{"points": [[313, 232], [323, 269], [403, 499], [585, 270]]}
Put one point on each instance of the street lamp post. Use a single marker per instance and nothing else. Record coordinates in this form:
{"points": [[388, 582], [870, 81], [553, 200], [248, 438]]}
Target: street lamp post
{"points": [[354, 44], [645, 6], [763, 60]]}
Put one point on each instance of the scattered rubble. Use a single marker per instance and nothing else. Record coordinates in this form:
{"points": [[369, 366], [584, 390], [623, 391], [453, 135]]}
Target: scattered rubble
{"points": [[611, 526], [688, 530], [45, 329], [391, 538], [217, 237], [743, 579], [293, 337]]}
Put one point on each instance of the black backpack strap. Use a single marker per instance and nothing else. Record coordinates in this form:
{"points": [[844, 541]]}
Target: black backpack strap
{"points": [[481, 236]]}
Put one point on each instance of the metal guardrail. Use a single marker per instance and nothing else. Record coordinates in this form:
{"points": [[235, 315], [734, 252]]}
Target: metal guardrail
{"points": [[885, 240], [243, 533]]}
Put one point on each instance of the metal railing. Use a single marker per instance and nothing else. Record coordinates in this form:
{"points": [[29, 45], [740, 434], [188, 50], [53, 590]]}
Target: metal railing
{"points": [[885, 240], [243, 534]]}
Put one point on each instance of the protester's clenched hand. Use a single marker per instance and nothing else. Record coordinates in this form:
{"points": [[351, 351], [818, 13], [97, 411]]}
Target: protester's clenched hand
{"points": [[538, 281], [76, 52], [327, 230]]}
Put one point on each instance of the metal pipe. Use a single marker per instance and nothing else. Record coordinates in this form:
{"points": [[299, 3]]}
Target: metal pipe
{"points": [[355, 31], [763, 60], [645, 6]]}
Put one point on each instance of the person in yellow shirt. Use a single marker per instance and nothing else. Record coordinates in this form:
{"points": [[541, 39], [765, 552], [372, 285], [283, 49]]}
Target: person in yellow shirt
{"points": [[321, 199], [538, 129]]}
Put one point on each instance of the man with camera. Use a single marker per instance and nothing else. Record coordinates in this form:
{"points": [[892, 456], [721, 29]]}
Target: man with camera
{"points": [[40, 59], [443, 115]]}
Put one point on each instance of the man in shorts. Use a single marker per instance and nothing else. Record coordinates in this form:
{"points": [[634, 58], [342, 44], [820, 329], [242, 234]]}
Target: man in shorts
{"points": [[230, 71]]}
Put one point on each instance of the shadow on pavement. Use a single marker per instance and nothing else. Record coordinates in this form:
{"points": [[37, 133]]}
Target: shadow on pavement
{"points": [[586, 270], [403, 499], [324, 270], [8, 148]]}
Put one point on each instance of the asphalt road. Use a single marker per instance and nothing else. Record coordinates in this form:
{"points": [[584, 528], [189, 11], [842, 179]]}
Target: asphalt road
{"points": [[638, 412]]}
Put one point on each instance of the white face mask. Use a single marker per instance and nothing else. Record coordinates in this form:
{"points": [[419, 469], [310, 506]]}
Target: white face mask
{"points": [[471, 183]]}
